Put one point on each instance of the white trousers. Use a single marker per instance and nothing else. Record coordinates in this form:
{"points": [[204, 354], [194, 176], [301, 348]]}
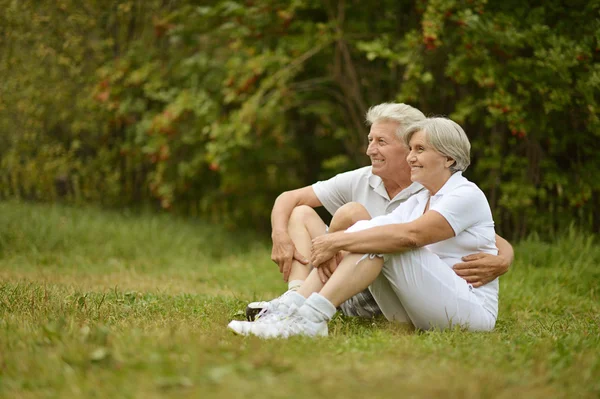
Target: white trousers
{"points": [[418, 287]]}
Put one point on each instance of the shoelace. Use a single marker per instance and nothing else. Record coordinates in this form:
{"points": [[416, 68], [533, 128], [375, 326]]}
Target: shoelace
{"points": [[264, 311], [274, 311]]}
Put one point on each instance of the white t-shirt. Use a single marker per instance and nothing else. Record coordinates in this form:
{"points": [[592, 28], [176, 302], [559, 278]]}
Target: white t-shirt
{"points": [[467, 210], [361, 186]]}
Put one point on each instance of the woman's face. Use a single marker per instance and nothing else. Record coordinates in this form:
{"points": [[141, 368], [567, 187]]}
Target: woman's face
{"points": [[427, 165]]}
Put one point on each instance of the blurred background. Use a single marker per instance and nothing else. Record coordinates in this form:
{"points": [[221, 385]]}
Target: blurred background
{"points": [[210, 109]]}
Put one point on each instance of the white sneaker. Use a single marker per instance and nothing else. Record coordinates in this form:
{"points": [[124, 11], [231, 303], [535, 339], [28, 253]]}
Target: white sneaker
{"points": [[240, 327], [294, 323], [254, 308], [269, 317], [270, 311]]}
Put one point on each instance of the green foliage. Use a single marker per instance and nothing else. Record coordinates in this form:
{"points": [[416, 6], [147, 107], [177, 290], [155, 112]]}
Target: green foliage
{"points": [[213, 108], [524, 81], [110, 304]]}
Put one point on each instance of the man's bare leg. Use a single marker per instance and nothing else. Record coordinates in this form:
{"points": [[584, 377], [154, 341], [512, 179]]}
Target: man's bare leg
{"points": [[304, 225], [345, 217]]}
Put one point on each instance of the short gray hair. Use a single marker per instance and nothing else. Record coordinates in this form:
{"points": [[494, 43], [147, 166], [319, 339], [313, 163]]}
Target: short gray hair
{"points": [[404, 114], [446, 137]]}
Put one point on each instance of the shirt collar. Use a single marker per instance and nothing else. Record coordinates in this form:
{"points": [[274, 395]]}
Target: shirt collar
{"points": [[455, 179], [377, 184], [374, 180], [410, 190]]}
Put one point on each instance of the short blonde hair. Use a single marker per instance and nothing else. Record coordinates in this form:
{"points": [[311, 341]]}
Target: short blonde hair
{"points": [[404, 114], [446, 137]]}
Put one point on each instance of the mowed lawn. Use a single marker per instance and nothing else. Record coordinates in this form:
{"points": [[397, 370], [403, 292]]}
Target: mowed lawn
{"points": [[104, 304]]}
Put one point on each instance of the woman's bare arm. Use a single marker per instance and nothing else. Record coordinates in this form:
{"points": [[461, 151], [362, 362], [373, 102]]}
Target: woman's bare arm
{"points": [[429, 228]]}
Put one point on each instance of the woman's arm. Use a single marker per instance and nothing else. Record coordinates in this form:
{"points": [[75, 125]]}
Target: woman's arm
{"points": [[429, 228]]}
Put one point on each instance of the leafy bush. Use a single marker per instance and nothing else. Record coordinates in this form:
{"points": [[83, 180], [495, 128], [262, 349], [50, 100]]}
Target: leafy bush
{"points": [[213, 108]]}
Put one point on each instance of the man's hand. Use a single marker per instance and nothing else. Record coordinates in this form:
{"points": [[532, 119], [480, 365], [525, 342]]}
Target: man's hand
{"points": [[479, 269], [284, 253]]}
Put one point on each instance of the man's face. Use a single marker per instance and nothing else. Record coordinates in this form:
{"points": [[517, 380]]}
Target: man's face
{"points": [[387, 152]]}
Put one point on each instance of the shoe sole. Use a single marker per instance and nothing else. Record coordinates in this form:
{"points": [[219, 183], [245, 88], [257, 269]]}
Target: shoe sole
{"points": [[235, 332]]}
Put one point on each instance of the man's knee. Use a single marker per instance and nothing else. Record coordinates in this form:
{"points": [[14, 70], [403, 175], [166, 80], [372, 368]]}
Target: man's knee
{"points": [[302, 214], [350, 213]]}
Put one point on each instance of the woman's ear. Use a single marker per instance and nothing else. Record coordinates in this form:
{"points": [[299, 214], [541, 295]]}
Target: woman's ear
{"points": [[449, 162]]}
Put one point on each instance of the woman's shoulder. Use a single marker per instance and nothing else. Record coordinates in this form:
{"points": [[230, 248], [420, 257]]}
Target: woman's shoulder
{"points": [[463, 204], [465, 196], [463, 186]]}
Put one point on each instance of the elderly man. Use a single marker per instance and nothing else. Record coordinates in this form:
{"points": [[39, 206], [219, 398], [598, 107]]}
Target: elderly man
{"points": [[380, 188]]}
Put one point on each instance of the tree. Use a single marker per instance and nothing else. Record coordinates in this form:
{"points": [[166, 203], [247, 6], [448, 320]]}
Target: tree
{"points": [[213, 108]]}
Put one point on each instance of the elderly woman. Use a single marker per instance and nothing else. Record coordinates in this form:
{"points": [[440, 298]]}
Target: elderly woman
{"points": [[422, 239]]}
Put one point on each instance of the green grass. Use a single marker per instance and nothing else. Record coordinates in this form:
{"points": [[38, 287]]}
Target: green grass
{"points": [[104, 304]]}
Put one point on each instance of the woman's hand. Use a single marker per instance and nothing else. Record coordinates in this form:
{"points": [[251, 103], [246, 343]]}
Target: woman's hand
{"points": [[327, 268], [323, 249]]}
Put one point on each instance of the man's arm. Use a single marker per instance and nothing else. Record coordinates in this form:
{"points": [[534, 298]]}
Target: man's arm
{"points": [[479, 269], [284, 251], [505, 250]]}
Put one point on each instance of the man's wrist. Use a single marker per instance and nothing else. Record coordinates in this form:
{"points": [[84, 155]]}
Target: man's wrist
{"points": [[506, 262], [278, 232]]}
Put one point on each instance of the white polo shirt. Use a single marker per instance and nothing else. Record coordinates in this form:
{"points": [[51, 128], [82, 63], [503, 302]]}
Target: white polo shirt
{"points": [[361, 186], [468, 212]]}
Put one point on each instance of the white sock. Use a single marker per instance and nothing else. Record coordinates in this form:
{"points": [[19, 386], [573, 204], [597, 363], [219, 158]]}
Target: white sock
{"points": [[294, 284], [292, 297], [317, 308]]}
